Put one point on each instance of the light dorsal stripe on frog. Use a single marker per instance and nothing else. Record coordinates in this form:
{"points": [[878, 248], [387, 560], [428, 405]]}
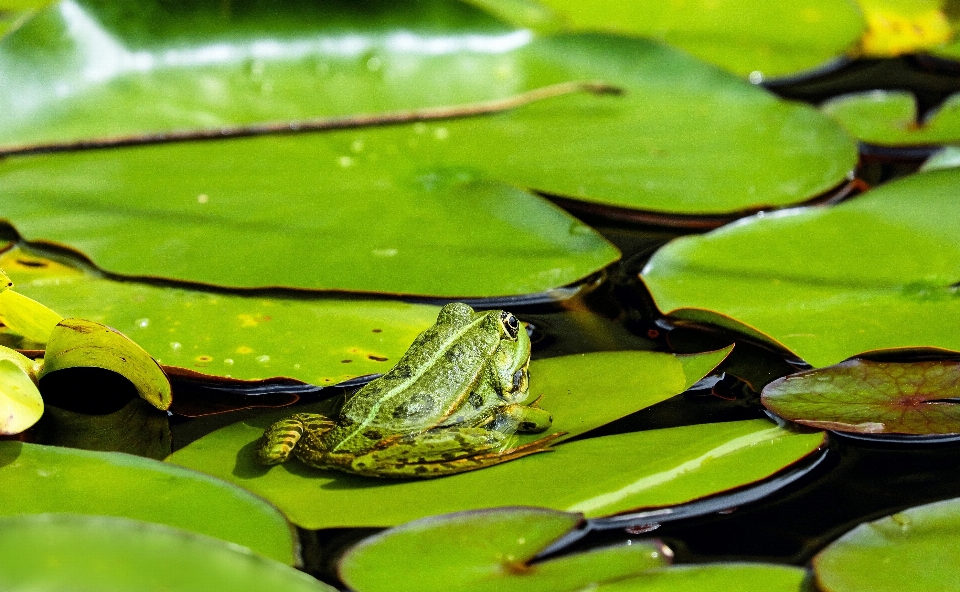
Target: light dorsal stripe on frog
{"points": [[400, 389]]}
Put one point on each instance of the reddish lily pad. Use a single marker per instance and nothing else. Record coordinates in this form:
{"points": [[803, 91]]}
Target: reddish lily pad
{"points": [[488, 550], [867, 397]]}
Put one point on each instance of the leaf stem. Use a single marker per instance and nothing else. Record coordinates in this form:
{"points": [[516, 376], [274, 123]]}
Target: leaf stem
{"points": [[321, 124]]}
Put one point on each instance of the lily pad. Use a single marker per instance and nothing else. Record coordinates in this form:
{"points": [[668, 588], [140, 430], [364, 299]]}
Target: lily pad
{"points": [[79, 343], [320, 341], [20, 402], [275, 211], [598, 476], [747, 37], [896, 27], [39, 479], [916, 549], [116, 70], [488, 550], [96, 553], [14, 13], [946, 158], [876, 272], [868, 397], [720, 577], [889, 118]]}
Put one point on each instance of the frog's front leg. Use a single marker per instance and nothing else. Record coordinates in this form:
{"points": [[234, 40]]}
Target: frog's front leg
{"points": [[442, 452], [279, 440], [522, 418]]}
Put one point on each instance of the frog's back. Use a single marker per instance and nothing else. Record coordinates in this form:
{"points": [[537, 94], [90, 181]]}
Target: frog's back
{"points": [[432, 378]]}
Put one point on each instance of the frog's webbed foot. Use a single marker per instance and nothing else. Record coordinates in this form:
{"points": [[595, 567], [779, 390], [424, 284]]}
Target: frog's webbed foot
{"points": [[443, 452], [281, 437]]}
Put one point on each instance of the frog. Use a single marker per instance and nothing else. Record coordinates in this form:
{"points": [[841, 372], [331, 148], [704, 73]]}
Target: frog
{"points": [[452, 403]]}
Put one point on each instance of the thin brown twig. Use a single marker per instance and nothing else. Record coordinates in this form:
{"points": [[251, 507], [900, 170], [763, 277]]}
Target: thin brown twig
{"points": [[321, 124]]}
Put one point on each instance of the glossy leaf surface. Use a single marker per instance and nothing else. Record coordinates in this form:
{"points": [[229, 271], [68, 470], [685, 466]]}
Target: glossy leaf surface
{"points": [[199, 210], [743, 577], [743, 36], [586, 391], [803, 280], [913, 550], [868, 397], [487, 550], [39, 479], [97, 553], [598, 476], [20, 402], [119, 70], [79, 343], [320, 341], [889, 118]]}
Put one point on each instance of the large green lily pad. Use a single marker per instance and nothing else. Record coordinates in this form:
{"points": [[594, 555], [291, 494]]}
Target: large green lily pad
{"points": [[877, 272], [337, 210], [487, 550], [320, 341], [717, 577], [765, 39], [598, 476], [913, 550], [97, 553], [889, 118], [39, 479], [872, 397]]}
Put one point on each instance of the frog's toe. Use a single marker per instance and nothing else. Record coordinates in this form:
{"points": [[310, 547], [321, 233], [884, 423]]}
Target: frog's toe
{"points": [[523, 418], [280, 438]]}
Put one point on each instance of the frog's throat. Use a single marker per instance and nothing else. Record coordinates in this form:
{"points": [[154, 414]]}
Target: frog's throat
{"points": [[400, 388]]}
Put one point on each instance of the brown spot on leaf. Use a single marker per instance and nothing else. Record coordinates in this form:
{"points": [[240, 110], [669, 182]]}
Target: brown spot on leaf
{"points": [[377, 358]]}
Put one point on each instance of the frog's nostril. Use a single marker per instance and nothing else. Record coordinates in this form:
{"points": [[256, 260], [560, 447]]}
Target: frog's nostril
{"points": [[510, 324]]}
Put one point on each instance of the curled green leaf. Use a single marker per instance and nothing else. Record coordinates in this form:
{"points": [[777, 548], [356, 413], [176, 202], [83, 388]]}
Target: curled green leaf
{"points": [[77, 343], [25, 316], [868, 397], [20, 402]]}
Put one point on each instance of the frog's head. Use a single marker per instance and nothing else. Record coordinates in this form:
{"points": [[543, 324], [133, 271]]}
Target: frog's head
{"points": [[512, 359]]}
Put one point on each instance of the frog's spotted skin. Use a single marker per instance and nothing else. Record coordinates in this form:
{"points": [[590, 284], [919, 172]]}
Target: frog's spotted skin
{"points": [[451, 404]]}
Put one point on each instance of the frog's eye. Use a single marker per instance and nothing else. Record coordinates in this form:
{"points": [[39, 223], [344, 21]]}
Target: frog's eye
{"points": [[510, 324]]}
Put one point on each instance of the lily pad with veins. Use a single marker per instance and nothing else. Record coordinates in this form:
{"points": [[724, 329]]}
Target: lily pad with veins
{"points": [[868, 397]]}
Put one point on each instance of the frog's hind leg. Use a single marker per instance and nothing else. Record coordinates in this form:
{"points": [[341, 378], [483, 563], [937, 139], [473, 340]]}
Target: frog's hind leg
{"points": [[443, 452], [280, 438]]}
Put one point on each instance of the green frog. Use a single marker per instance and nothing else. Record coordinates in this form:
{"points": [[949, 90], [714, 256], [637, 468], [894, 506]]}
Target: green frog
{"points": [[451, 404]]}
